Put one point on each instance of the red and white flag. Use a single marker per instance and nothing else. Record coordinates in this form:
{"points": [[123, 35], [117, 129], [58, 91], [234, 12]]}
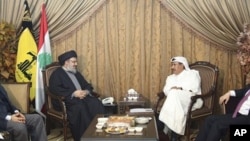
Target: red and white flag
{"points": [[43, 58]]}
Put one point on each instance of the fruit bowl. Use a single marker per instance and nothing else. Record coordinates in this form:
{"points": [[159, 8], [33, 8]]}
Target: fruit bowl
{"points": [[142, 120]]}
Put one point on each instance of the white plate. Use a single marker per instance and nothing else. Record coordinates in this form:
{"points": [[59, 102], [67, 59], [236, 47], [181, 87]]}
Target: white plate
{"points": [[99, 125], [135, 129], [102, 119]]}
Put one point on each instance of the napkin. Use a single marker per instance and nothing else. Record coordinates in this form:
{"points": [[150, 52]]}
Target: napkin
{"points": [[138, 110]]}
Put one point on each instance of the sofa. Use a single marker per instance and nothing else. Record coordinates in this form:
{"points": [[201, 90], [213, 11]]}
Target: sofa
{"points": [[18, 94]]}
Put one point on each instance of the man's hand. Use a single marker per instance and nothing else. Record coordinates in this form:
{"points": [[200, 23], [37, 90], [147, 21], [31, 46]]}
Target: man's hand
{"points": [[80, 93], [18, 117], [224, 98]]}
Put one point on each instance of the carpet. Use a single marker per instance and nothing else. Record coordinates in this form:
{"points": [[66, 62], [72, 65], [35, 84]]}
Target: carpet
{"points": [[57, 135]]}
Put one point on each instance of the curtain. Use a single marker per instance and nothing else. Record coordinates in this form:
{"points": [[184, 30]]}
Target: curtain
{"points": [[123, 44], [129, 43], [63, 15], [219, 21]]}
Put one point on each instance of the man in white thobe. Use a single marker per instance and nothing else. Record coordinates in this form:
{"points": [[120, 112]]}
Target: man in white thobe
{"points": [[179, 88]]}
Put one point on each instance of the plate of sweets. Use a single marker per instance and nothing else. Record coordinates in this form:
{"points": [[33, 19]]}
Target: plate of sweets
{"points": [[116, 130]]}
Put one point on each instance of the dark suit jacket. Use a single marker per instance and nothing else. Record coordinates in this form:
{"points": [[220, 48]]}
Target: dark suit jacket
{"points": [[5, 108], [233, 101], [242, 92]]}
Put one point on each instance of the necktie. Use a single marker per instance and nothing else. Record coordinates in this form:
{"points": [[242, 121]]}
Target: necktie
{"points": [[240, 103]]}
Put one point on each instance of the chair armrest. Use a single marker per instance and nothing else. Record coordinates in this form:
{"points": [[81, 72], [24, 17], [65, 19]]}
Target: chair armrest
{"points": [[95, 94], [160, 101], [52, 99], [202, 96], [57, 97], [160, 95]]}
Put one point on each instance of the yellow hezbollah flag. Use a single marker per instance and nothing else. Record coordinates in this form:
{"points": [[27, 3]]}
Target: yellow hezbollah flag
{"points": [[26, 60]]}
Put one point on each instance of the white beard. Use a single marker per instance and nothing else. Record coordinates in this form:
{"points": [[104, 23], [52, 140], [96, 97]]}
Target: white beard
{"points": [[72, 70]]}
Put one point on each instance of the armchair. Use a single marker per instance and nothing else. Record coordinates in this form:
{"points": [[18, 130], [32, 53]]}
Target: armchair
{"points": [[209, 74], [19, 94], [52, 112]]}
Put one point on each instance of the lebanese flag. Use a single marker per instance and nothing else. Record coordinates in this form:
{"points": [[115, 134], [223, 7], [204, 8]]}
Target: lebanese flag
{"points": [[43, 58]]}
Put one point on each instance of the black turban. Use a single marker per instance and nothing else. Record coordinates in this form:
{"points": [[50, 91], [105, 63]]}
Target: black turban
{"points": [[65, 56]]}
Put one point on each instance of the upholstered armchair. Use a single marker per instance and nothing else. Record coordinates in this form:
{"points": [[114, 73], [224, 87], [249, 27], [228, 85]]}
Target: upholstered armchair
{"points": [[19, 95], [53, 113], [209, 74]]}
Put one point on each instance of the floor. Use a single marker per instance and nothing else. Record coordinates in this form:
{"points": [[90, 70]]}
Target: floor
{"points": [[57, 135]]}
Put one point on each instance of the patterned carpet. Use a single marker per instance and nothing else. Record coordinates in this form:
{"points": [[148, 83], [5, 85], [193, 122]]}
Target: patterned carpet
{"points": [[57, 135]]}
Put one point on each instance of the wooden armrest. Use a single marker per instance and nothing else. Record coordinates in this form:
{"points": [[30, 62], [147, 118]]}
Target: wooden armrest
{"points": [[161, 95], [202, 96], [57, 97], [95, 94], [160, 101], [55, 102]]}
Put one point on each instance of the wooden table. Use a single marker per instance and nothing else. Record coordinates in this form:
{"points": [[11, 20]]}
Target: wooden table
{"points": [[125, 104], [110, 108], [149, 133]]}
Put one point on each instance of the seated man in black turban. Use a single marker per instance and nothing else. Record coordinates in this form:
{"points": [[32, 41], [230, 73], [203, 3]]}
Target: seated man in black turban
{"points": [[80, 104]]}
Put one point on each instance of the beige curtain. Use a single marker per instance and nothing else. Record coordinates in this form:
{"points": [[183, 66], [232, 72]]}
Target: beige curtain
{"points": [[219, 21], [63, 15], [128, 44], [125, 44]]}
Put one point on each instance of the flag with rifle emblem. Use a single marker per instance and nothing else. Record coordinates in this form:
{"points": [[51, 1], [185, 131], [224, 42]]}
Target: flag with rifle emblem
{"points": [[26, 53]]}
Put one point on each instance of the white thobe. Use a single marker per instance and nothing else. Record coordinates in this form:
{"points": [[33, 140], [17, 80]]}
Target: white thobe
{"points": [[174, 110]]}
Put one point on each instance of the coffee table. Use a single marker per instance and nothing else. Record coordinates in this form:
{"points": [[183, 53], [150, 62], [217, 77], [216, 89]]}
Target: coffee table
{"points": [[149, 133]]}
